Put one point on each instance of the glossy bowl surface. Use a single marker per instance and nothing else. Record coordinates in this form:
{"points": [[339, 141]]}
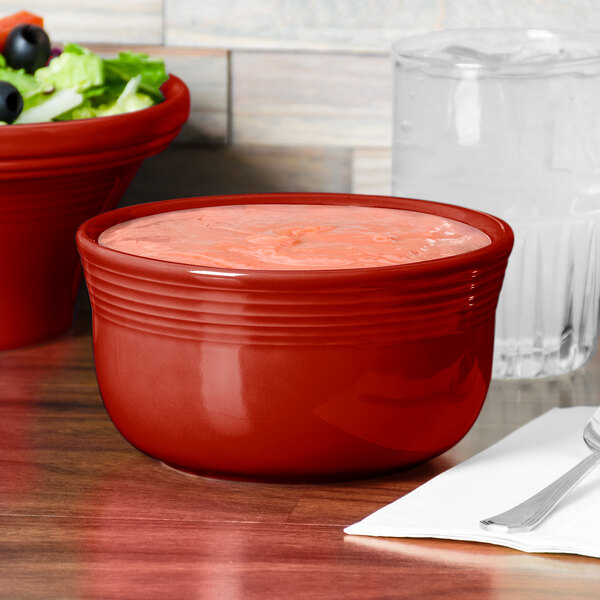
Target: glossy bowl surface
{"points": [[293, 375], [54, 176]]}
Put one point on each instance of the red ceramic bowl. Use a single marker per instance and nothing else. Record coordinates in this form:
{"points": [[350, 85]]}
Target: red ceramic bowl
{"points": [[53, 176], [293, 375]]}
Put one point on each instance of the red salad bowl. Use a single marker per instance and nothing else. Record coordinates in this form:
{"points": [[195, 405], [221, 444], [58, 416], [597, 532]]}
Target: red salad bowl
{"points": [[54, 176], [293, 375]]}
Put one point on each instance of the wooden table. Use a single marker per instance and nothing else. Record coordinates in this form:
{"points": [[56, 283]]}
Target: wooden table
{"points": [[85, 515]]}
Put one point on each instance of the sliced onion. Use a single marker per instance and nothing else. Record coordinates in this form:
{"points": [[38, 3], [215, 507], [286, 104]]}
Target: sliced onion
{"points": [[57, 104]]}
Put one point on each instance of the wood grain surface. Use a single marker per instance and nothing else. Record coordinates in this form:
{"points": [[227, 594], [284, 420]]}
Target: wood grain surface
{"points": [[309, 99], [354, 25], [83, 515], [351, 25], [86, 21], [299, 25], [185, 171]]}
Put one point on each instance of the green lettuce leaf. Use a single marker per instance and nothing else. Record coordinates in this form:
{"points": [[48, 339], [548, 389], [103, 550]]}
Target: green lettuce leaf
{"points": [[72, 69], [27, 85], [118, 71], [129, 100]]}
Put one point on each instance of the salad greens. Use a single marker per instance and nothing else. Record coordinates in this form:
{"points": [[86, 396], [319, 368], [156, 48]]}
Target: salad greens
{"points": [[79, 84]]}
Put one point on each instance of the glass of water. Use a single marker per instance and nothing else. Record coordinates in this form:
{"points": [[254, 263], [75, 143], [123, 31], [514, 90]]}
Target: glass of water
{"points": [[508, 121]]}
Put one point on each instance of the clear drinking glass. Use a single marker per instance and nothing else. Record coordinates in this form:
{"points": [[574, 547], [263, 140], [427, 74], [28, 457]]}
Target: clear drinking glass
{"points": [[508, 121]]}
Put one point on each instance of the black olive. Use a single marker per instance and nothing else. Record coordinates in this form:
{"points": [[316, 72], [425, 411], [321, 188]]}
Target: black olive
{"points": [[11, 102], [27, 47]]}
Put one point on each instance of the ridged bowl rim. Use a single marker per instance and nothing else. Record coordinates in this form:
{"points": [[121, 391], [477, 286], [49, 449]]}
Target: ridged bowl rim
{"points": [[44, 141], [500, 233]]}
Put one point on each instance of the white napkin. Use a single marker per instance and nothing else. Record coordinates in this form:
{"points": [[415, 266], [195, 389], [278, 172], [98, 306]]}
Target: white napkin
{"points": [[452, 504]]}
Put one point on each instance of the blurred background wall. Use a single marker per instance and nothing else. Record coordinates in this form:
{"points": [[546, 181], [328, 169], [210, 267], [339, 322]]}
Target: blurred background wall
{"points": [[287, 95]]}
